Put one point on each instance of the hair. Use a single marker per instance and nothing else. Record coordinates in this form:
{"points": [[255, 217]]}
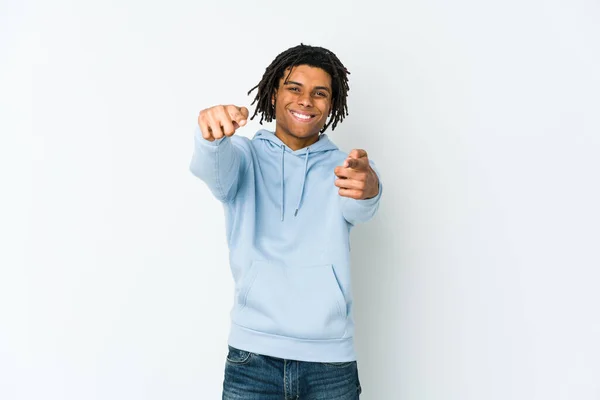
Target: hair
{"points": [[313, 56]]}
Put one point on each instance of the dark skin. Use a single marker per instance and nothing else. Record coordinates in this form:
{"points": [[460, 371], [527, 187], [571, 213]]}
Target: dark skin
{"points": [[302, 105]]}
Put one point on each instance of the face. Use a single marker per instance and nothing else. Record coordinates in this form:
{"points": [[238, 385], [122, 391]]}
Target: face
{"points": [[302, 103]]}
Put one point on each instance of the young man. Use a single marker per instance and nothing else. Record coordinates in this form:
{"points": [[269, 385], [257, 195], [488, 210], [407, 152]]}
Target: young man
{"points": [[290, 198]]}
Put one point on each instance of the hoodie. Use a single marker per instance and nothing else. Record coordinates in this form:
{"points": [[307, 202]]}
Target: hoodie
{"points": [[288, 233]]}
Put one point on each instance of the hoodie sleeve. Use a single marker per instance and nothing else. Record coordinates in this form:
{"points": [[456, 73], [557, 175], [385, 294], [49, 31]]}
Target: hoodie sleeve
{"points": [[219, 164], [357, 211]]}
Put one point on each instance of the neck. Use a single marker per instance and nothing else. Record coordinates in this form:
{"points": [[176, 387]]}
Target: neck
{"points": [[295, 142]]}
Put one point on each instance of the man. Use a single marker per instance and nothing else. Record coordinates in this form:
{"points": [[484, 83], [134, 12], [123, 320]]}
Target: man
{"points": [[290, 198]]}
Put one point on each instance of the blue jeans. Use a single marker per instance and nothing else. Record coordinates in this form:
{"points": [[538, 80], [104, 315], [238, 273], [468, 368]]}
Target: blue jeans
{"points": [[250, 376]]}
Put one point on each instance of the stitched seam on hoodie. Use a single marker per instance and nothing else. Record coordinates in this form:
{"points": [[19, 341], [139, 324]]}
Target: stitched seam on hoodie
{"points": [[217, 169]]}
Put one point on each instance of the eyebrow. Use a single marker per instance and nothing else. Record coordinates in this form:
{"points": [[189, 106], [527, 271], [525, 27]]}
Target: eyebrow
{"points": [[299, 84]]}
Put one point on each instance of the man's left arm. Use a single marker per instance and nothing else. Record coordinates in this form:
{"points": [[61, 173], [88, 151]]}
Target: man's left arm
{"points": [[360, 186]]}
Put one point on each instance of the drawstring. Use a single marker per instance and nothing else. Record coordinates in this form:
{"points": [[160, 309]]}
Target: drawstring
{"points": [[303, 182], [281, 206]]}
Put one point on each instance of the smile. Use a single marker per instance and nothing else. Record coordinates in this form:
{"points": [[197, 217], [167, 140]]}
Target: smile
{"points": [[302, 117]]}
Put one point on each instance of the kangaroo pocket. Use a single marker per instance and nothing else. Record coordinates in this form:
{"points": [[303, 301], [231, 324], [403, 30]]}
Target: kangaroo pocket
{"points": [[299, 302]]}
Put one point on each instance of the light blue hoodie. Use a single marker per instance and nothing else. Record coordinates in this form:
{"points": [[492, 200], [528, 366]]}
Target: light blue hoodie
{"points": [[288, 232]]}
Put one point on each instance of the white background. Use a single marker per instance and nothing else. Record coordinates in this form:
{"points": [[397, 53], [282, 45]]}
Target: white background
{"points": [[478, 279]]}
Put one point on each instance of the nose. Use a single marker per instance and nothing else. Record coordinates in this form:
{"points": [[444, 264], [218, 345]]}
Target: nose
{"points": [[305, 100]]}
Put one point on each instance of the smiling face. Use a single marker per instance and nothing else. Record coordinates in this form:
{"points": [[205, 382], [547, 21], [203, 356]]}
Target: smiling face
{"points": [[302, 105]]}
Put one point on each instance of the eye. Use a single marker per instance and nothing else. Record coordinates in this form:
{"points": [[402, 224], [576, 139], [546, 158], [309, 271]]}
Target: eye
{"points": [[293, 89], [322, 94]]}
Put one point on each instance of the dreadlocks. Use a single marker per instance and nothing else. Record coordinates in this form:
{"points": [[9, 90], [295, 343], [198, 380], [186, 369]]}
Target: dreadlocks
{"points": [[313, 56]]}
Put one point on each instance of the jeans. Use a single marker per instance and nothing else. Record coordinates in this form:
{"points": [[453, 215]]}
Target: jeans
{"points": [[250, 376]]}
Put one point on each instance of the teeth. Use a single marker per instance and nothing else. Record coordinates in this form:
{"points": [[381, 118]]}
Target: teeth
{"points": [[302, 116]]}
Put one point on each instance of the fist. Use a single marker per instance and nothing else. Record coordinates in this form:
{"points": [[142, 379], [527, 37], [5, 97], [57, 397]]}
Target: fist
{"points": [[218, 121], [356, 179]]}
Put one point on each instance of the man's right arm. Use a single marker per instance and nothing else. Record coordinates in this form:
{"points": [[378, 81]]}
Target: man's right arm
{"points": [[216, 160]]}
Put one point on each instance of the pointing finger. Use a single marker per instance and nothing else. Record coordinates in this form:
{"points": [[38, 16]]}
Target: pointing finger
{"points": [[357, 153], [357, 163], [352, 163], [244, 112], [238, 115]]}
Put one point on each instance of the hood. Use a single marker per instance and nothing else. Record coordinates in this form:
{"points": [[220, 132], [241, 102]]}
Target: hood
{"points": [[320, 146]]}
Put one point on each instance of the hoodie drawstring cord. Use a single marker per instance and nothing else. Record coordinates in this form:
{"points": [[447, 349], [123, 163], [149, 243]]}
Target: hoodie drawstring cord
{"points": [[281, 206], [303, 181]]}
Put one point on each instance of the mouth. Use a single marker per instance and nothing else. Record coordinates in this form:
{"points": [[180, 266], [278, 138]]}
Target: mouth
{"points": [[302, 116]]}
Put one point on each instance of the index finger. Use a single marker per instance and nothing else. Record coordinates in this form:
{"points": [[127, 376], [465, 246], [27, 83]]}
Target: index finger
{"points": [[358, 153], [244, 112], [355, 163], [238, 114]]}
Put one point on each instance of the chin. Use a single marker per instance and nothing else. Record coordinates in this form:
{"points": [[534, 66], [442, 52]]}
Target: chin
{"points": [[303, 134], [304, 131]]}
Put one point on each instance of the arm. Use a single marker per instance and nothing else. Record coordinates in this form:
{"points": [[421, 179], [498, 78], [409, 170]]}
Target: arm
{"points": [[360, 187], [359, 211], [217, 160]]}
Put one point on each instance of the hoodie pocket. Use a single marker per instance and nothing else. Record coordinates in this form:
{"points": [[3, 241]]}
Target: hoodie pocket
{"points": [[301, 302]]}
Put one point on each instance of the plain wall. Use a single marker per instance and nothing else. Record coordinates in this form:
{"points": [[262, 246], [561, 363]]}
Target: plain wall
{"points": [[478, 278]]}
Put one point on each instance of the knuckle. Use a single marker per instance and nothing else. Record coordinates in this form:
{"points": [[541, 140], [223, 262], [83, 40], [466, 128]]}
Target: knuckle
{"points": [[212, 112]]}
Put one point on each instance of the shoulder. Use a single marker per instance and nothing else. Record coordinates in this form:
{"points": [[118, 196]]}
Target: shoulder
{"points": [[241, 142]]}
